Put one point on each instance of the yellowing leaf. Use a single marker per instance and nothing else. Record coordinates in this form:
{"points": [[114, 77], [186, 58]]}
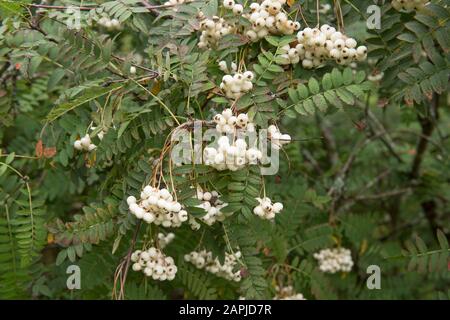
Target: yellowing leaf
{"points": [[156, 88], [363, 247], [50, 238]]}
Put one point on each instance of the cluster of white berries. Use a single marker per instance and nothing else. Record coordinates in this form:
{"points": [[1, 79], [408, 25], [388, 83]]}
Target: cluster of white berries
{"points": [[287, 293], [266, 210], [277, 139], [228, 123], [232, 155], [84, 144], [268, 17], [174, 3], [157, 206], [212, 204], [213, 30], [334, 260], [315, 46], [375, 76], [236, 85], [110, 24], [223, 66], [204, 260], [236, 7], [409, 5], [153, 263], [164, 240]]}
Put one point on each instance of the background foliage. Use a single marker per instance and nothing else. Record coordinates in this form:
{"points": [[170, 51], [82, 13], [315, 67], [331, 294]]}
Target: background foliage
{"points": [[368, 168]]}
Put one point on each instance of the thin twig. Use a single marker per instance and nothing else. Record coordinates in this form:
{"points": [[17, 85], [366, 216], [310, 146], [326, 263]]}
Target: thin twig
{"points": [[427, 129], [52, 7], [383, 194], [122, 269], [328, 141], [318, 13]]}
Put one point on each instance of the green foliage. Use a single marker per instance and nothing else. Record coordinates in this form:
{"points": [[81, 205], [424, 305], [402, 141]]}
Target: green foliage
{"points": [[408, 42], [367, 167], [424, 260], [197, 283], [337, 89]]}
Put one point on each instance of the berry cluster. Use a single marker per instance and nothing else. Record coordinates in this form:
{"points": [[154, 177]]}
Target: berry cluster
{"points": [[231, 5], [267, 210], [315, 46], [153, 263], [409, 5], [213, 30], [204, 260], [236, 85], [174, 3], [84, 144], [287, 293], [232, 155], [109, 24], [334, 260], [277, 139], [223, 66], [228, 123], [164, 240], [212, 205], [268, 17], [157, 206]]}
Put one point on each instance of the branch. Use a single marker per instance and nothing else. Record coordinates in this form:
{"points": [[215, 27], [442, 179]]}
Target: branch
{"points": [[428, 126], [149, 7], [313, 161], [122, 269], [93, 7], [45, 6], [383, 194], [328, 141], [386, 139]]}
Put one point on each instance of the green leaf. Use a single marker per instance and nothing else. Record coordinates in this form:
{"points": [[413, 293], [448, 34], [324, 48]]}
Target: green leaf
{"points": [[62, 255], [347, 76], [327, 83], [89, 95], [408, 37], [345, 96], [71, 254], [9, 8], [336, 77], [309, 106], [273, 40], [55, 78], [421, 245], [320, 102], [443, 243], [293, 95], [10, 158], [313, 86], [302, 91]]}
